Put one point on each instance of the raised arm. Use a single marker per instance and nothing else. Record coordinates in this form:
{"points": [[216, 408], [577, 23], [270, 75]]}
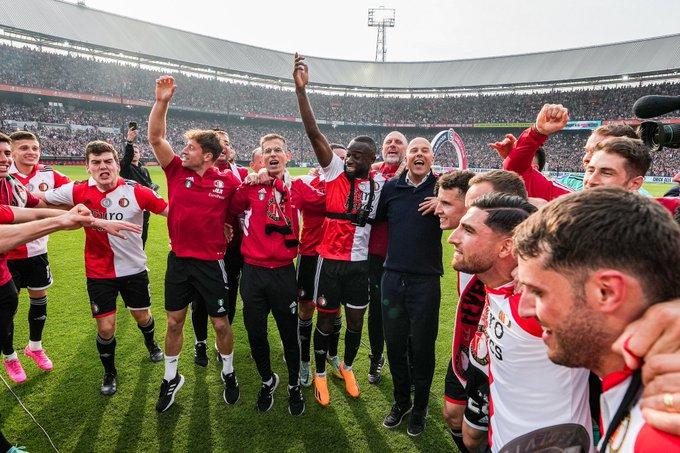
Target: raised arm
{"points": [[129, 152], [165, 88], [320, 144]]}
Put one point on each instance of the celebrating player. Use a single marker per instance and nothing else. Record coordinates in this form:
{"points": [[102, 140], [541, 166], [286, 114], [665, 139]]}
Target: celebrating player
{"points": [[29, 264], [352, 194], [199, 196], [113, 265]]}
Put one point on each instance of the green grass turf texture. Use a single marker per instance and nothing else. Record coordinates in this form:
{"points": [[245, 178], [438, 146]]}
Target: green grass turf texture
{"points": [[68, 404]]}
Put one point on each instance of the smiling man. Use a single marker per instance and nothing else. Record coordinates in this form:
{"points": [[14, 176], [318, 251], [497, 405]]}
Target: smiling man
{"points": [[113, 265], [411, 284], [29, 263], [199, 196], [352, 194], [585, 292], [270, 244]]}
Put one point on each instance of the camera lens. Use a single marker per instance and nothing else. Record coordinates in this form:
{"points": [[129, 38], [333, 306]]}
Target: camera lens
{"points": [[658, 135]]}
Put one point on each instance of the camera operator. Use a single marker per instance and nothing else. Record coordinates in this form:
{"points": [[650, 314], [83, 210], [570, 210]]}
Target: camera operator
{"points": [[132, 168]]}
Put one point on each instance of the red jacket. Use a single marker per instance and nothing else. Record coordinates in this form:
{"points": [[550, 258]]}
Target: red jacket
{"points": [[268, 210], [520, 161]]}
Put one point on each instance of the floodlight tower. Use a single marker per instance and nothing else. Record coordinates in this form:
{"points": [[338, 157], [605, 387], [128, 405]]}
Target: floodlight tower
{"points": [[381, 18]]}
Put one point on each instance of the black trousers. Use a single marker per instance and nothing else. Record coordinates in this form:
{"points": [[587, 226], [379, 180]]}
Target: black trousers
{"points": [[410, 308], [9, 302], [376, 336], [264, 290]]}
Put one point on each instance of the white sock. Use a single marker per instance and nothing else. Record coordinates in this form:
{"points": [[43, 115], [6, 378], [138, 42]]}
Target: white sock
{"points": [[171, 367], [346, 367], [227, 363], [35, 345], [12, 356], [202, 341], [321, 374]]}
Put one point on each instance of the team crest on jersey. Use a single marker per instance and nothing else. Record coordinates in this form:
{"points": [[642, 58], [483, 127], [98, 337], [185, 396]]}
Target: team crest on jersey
{"points": [[43, 187], [261, 193], [106, 202], [188, 183], [219, 183], [504, 319], [123, 202], [95, 308], [321, 301]]}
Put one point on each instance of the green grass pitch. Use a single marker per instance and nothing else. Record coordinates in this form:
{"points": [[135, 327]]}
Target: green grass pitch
{"points": [[69, 406]]}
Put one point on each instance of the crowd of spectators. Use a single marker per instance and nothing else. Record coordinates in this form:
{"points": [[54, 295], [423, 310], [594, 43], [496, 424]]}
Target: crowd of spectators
{"points": [[26, 67], [65, 131]]}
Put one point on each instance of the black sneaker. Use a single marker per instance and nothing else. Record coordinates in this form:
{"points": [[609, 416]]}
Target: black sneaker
{"points": [[155, 352], [201, 354], [168, 392], [265, 397], [396, 415], [375, 371], [296, 402], [416, 424], [231, 392], [109, 384]]}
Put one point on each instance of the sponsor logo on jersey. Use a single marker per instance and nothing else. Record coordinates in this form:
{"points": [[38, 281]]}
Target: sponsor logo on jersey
{"points": [[219, 183], [43, 186], [261, 193], [123, 202], [106, 202], [188, 183], [292, 307]]}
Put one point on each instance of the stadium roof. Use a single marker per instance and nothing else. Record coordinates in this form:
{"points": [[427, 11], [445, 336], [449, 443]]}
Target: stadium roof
{"points": [[78, 24]]}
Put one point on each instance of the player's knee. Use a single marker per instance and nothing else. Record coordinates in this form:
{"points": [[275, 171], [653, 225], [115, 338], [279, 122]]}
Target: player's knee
{"points": [[175, 324], [37, 294], [305, 309], [106, 331], [221, 325], [453, 415]]}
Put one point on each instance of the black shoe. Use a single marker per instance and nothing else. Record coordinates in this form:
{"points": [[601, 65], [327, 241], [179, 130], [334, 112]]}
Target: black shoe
{"points": [[231, 392], [109, 384], [201, 354], [396, 415], [375, 371], [168, 392], [265, 397], [296, 402], [416, 424], [155, 352]]}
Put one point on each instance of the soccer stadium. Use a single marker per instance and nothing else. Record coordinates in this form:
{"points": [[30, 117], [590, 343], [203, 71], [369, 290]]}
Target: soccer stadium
{"points": [[69, 84]]}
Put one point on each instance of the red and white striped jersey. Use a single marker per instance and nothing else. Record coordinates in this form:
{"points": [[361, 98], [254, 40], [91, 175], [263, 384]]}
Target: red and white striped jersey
{"points": [[468, 319], [527, 390], [40, 179], [633, 434], [108, 256], [342, 240], [312, 222]]}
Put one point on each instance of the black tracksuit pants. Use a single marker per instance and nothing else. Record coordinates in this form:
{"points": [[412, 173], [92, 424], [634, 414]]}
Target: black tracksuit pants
{"points": [[264, 290], [410, 308]]}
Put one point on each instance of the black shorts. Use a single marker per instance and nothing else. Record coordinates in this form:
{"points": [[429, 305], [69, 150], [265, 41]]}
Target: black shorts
{"points": [[454, 391], [341, 283], [191, 279], [306, 276], [31, 273], [477, 390], [103, 292]]}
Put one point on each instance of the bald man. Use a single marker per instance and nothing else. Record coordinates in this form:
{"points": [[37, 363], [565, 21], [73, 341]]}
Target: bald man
{"points": [[411, 284]]}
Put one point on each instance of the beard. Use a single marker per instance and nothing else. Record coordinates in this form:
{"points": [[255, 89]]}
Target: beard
{"points": [[472, 264], [392, 159], [581, 341]]}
